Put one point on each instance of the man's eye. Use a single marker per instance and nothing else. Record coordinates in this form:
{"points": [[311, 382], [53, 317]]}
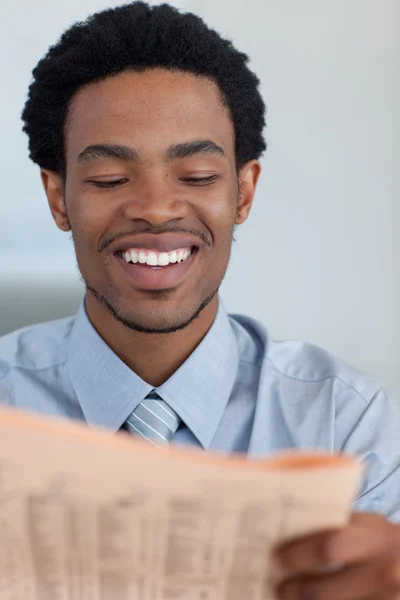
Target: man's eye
{"points": [[196, 181], [199, 180], [107, 184]]}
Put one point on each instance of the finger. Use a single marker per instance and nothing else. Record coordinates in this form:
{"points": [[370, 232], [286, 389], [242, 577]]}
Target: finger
{"points": [[366, 536], [372, 580]]}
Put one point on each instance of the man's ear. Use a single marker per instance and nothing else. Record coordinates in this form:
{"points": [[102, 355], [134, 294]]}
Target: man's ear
{"points": [[248, 178], [54, 188]]}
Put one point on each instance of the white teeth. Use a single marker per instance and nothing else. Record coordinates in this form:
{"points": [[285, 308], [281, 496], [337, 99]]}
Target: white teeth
{"points": [[163, 259], [152, 259], [134, 256], [155, 259]]}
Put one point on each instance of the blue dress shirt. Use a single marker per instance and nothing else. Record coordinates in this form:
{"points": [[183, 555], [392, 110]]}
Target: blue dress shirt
{"points": [[239, 391]]}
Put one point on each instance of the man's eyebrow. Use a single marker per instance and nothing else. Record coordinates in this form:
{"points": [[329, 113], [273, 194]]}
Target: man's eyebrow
{"points": [[99, 151], [197, 147], [177, 151]]}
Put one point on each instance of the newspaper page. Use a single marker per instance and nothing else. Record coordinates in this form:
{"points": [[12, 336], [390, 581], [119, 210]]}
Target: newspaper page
{"points": [[89, 516]]}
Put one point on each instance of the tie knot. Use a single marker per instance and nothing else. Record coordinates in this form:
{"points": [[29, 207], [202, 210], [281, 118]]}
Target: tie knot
{"points": [[153, 420]]}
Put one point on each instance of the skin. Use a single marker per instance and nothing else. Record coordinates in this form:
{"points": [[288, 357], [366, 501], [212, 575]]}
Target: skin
{"points": [[150, 112], [368, 550]]}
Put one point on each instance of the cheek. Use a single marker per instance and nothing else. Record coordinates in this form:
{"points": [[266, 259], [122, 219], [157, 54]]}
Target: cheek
{"points": [[219, 214], [89, 219]]}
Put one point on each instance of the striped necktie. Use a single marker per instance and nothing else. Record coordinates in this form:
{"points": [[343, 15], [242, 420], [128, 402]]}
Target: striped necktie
{"points": [[153, 420]]}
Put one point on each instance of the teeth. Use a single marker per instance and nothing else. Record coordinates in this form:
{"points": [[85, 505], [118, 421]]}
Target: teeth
{"points": [[155, 259], [163, 259], [152, 259]]}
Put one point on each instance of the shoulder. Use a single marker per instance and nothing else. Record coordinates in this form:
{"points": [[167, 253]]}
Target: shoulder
{"points": [[35, 347], [304, 362], [300, 365]]}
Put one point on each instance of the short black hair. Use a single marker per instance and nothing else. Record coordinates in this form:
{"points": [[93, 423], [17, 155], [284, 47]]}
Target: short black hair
{"points": [[137, 37]]}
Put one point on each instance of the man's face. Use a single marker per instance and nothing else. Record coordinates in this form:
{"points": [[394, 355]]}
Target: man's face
{"points": [[152, 194]]}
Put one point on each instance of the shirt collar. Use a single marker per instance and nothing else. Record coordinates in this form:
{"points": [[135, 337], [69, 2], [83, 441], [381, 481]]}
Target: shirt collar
{"points": [[200, 389], [108, 390]]}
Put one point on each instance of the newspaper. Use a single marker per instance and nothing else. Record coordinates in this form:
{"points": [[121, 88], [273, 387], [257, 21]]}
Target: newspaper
{"points": [[85, 515]]}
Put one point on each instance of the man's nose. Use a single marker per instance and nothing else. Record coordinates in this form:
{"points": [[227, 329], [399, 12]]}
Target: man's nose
{"points": [[156, 202]]}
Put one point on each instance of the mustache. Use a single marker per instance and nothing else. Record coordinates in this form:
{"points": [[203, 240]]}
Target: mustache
{"points": [[204, 237]]}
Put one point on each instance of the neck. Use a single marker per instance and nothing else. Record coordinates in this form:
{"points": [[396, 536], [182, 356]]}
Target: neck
{"points": [[153, 357]]}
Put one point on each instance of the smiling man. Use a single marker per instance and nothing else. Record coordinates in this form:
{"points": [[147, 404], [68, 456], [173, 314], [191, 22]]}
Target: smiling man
{"points": [[147, 127], [154, 199]]}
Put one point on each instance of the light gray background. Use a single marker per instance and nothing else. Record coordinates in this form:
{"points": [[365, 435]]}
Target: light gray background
{"points": [[318, 259]]}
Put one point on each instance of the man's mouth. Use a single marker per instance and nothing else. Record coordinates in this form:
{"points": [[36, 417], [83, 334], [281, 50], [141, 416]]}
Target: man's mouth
{"points": [[151, 270], [154, 258]]}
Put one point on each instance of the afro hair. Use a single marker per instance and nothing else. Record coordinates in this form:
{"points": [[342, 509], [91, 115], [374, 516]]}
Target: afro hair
{"points": [[137, 37]]}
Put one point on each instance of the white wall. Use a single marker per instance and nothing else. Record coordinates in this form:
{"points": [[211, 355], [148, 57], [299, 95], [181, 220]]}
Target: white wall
{"points": [[318, 259]]}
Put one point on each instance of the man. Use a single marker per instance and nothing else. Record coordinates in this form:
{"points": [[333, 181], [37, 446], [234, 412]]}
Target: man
{"points": [[147, 127]]}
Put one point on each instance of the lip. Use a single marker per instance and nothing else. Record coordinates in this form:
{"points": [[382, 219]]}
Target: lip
{"points": [[165, 242], [149, 278]]}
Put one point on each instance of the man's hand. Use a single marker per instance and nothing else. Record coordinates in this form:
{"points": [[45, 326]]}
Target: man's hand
{"points": [[359, 562]]}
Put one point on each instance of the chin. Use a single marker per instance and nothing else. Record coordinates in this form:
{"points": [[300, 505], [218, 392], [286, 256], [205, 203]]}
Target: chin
{"points": [[158, 323], [156, 316]]}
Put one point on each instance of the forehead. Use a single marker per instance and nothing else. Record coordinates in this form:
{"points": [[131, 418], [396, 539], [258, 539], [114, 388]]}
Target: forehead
{"points": [[148, 110]]}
